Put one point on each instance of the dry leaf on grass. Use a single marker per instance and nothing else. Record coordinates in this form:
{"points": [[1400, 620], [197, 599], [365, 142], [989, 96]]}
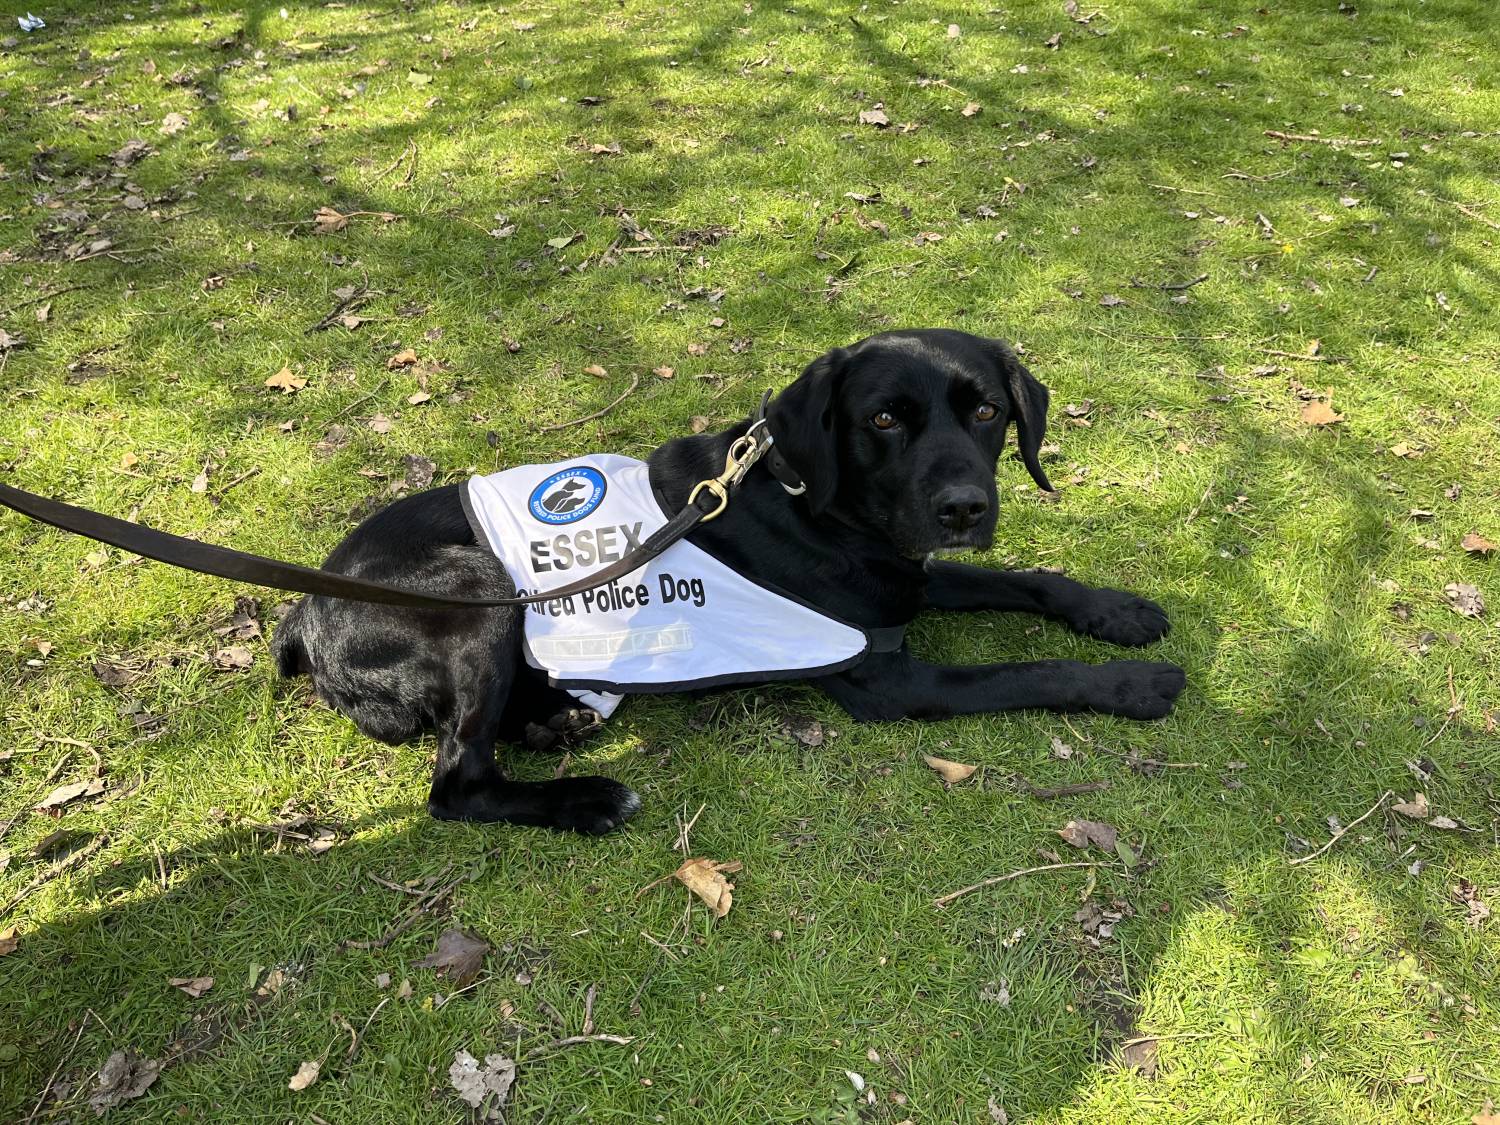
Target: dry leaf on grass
{"points": [[286, 382], [1467, 896], [487, 1086], [458, 957], [193, 986], [972, 109], [404, 358], [327, 221], [1466, 600], [1477, 544], [1320, 413], [663, 372], [596, 371], [1416, 808], [951, 772], [124, 1075], [235, 658], [705, 878], [306, 1075], [65, 794], [1082, 833], [9, 942]]}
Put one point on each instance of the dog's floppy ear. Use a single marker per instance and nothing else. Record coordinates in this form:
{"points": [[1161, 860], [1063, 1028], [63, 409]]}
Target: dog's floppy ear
{"points": [[802, 420], [1028, 403]]}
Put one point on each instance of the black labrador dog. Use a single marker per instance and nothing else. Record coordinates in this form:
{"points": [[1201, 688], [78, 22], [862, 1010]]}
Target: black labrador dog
{"points": [[896, 439]]}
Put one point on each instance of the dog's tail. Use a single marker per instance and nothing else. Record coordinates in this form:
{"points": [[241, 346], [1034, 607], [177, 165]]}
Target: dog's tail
{"points": [[287, 646]]}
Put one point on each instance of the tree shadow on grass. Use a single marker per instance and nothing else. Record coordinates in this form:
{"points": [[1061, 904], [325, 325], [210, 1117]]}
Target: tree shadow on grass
{"points": [[234, 891]]}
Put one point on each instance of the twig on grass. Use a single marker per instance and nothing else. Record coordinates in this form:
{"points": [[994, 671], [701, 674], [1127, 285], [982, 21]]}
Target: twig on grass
{"points": [[990, 882], [72, 859], [1473, 214], [354, 1045], [1048, 794], [635, 381], [1384, 797], [1355, 142], [588, 1009], [1182, 190], [59, 293], [1305, 357], [47, 1089], [1170, 286], [358, 402]]}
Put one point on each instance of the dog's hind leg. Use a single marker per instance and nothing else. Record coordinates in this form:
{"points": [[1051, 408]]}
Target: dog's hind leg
{"points": [[467, 783]]}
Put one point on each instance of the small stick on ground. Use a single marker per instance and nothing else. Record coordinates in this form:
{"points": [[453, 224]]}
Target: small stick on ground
{"points": [[1305, 357], [1043, 794], [588, 1009], [359, 401], [1277, 134], [1181, 190], [1198, 507], [241, 479], [76, 288], [354, 1045], [635, 381], [47, 1089], [990, 882], [1384, 797], [1176, 286], [1469, 211]]}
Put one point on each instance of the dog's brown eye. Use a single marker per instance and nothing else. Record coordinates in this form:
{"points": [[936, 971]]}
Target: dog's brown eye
{"points": [[986, 411], [885, 420]]}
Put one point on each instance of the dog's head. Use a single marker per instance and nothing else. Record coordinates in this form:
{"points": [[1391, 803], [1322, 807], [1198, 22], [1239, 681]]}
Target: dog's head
{"points": [[899, 434]]}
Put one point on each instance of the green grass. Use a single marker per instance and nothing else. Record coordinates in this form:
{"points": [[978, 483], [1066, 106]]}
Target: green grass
{"points": [[1343, 990]]}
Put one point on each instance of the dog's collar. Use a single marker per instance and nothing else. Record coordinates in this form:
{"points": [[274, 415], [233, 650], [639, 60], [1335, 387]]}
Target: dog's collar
{"points": [[774, 461]]}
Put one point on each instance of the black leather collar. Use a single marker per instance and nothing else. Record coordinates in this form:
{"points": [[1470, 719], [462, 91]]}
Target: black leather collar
{"points": [[790, 479]]}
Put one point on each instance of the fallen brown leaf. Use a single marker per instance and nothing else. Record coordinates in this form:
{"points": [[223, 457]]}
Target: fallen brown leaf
{"points": [[1477, 544], [65, 794], [235, 658], [705, 878], [875, 117], [1416, 808], [1082, 833], [306, 1075], [1320, 413], [1466, 600], [9, 942], [458, 957], [951, 772], [972, 109], [663, 372], [124, 1076], [404, 358], [596, 371], [328, 221], [286, 382], [193, 986]]}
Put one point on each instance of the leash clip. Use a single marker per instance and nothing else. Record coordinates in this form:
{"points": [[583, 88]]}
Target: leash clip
{"points": [[743, 455]]}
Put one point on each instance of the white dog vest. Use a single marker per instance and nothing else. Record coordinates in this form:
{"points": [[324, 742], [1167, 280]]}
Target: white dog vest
{"points": [[685, 620]]}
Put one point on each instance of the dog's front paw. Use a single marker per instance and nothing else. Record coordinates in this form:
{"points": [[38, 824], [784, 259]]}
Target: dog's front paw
{"points": [[1120, 618], [1136, 689], [593, 805]]}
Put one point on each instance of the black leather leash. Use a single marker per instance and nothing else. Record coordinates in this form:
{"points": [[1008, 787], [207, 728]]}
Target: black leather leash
{"points": [[707, 500]]}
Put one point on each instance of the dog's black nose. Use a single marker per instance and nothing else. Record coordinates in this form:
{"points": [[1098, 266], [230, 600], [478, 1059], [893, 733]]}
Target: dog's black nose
{"points": [[961, 507]]}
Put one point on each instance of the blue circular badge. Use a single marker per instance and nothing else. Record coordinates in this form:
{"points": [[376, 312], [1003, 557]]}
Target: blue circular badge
{"points": [[567, 495]]}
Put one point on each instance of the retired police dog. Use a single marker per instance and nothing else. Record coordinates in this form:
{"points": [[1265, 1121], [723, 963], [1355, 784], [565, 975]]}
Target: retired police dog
{"points": [[895, 441]]}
